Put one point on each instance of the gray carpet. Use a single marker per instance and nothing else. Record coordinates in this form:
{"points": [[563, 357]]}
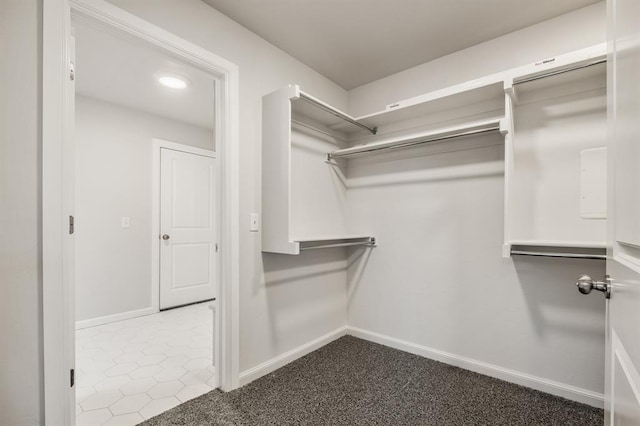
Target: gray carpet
{"points": [[355, 382]]}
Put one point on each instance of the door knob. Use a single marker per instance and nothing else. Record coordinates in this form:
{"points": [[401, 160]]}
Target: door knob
{"points": [[165, 237], [585, 285]]}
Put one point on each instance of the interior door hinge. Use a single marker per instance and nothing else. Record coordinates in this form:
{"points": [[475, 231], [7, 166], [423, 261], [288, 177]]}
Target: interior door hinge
{"points": [[72, 377], [72, 71], [71, 225], [216, 247]]}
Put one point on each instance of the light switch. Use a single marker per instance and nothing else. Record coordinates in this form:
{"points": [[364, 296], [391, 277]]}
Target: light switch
{"points": [[125, 222], [254, 222]]}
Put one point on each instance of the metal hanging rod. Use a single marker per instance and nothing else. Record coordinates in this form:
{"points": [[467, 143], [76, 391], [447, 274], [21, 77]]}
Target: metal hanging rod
{"points": [[336, 113], [554, 254], [400, 144], [370, 243], [561, 71]]}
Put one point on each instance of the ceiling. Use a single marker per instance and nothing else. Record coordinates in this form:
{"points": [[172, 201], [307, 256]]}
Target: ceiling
{"points": [[354, 42], [113, 68]]}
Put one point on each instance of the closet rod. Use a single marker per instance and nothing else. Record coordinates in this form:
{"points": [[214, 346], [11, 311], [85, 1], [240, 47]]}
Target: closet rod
{"points": [[335, 112], [552, 254], [370, 243], [400, 144], [562, 71]]}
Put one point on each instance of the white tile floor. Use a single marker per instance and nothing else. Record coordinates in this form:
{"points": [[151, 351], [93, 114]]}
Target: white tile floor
{"points": [[132, 370]]}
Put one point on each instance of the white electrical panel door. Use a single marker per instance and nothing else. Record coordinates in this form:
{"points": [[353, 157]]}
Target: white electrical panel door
{"points": [[187, 228]]}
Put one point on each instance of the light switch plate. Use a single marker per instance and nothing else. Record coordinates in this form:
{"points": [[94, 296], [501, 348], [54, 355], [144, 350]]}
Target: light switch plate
{"points": [[254, 222], [126, 222]]}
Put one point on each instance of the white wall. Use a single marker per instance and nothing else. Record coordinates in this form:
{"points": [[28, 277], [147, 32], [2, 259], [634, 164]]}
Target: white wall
{"points": [[21, 379], [437, 278], [113, 179], [285, 301], [565, 33]]}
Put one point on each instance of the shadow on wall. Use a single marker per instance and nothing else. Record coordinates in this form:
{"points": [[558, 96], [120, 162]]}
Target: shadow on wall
{"points": [[460, 159], [304, 296], [357, 263], [554, 301], [286, 269]]}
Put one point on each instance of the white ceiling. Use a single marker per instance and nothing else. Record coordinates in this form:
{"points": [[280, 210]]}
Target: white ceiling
{"points": [[353, 42], [116, 69]]}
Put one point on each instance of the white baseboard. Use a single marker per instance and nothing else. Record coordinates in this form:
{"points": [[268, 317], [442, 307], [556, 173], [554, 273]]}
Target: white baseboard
{"points": [[544, 385], [92, 322], [273, 364]]}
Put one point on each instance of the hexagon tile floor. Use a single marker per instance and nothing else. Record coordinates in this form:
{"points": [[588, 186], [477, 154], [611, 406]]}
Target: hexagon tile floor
{"points": [[135, 369]]}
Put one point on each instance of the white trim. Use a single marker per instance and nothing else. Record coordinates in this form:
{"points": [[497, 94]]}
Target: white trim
{"points": [[57, 307], [58, 323], [120, 316], [156, 147], [273, 364], [161, 143], [155, 227], [552, 387], [574, 393]]}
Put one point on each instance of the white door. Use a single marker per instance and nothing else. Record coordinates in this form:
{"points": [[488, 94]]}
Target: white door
{"points": [[622, 387], [187, 228]]}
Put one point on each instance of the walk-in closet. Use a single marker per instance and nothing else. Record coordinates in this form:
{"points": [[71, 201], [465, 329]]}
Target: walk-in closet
{"points": [[302, 212]]}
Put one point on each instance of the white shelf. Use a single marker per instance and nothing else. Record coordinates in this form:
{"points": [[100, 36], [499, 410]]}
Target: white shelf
{"points": [[320, 238], [591, 77], [307, 107], [543, 145], [334, 241], [479, 91], [466, 129], [560, 75], [566, 244], [561, 249], [308, 203], [559, 64]]}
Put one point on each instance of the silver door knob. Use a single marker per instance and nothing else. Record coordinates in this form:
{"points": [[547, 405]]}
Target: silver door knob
{"points": [[585, 285], [165, 237]]}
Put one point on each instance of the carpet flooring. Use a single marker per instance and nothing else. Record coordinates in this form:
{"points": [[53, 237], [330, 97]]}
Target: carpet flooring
{"points": [[355, 382]]}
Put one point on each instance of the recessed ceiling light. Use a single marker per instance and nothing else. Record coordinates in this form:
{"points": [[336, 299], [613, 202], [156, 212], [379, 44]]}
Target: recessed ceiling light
{"points": [[173, 81]]}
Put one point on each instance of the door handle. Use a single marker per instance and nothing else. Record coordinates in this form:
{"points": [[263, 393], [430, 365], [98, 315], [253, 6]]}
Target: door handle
{"points": [[165, 237], [585, 285]]}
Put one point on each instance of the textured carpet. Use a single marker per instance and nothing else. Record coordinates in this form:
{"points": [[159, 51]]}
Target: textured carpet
{"points": [[355, 382]]}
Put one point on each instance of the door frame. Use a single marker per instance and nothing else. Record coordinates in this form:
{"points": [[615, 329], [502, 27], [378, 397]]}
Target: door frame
{"points": [[156, 148], [58, 326]]}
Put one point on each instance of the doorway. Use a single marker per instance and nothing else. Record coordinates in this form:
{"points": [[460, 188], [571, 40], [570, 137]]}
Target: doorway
{"points": [[133, 362], [60, 230]]}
